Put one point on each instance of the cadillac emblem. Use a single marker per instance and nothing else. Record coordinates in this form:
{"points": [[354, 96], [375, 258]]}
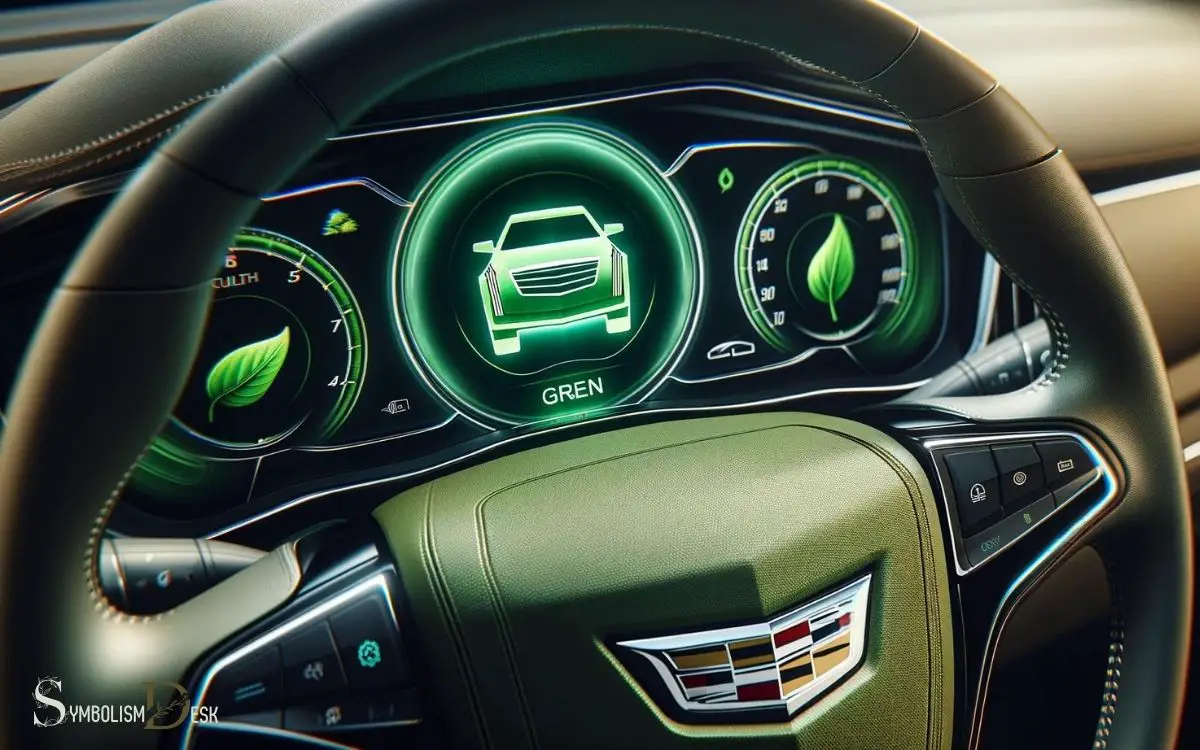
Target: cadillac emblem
{"points": [[770, 670]]}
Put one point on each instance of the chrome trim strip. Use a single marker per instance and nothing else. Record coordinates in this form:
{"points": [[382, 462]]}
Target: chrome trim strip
{"points": [[373, 441], [1148, 188], [795, 100], [989, 293], [1104, 471], [376, 582], [44, 201], [13, 202], [276, 509], [5, 202], [48, 200], [110, 184], [694, 149], [365, 182]]}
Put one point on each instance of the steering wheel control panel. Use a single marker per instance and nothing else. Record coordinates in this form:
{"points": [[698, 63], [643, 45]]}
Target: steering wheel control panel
{"points": [[335, 669], [997, 489]]}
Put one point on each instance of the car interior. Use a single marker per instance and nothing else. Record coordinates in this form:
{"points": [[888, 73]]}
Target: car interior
{"points": [[636, 374]]}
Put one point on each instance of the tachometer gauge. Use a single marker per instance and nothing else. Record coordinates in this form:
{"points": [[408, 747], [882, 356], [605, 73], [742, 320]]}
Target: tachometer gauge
{"points": [[281, 364], [824, 254], [284, 352]]}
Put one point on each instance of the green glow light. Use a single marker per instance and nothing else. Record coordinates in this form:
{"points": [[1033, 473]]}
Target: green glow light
{"points": [[456, 225], [557, 280], [173, 462], [917, 296], [336, 287], [167, 465], [725, 180]]}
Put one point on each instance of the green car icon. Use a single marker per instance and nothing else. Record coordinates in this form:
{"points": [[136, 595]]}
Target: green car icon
{"points": [[550, 268]]}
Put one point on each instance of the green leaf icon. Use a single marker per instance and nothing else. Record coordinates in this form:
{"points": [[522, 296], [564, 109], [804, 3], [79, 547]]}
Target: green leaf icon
{"points": [[832, 268], [244, 375], [339, 222]]}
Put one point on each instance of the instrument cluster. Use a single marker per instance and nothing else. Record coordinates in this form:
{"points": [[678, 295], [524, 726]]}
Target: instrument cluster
{"points": [[427, 291]]}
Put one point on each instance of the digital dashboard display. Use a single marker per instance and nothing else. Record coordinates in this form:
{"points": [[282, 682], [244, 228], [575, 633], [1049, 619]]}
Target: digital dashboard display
{"points": [[425, 291], [547, 269]]}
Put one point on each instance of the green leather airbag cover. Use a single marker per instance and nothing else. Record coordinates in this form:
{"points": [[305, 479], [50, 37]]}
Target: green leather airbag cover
{"points": [[522, 571]]}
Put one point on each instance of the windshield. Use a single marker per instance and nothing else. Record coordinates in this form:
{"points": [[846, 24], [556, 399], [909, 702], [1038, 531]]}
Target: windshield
{"points": [[545, 231]]}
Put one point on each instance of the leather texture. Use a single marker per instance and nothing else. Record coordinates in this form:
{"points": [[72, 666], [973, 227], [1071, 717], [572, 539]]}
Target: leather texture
{"points": [[1033, 214], [520, 570], [102, 655], [1106, 371], [125, 102]]}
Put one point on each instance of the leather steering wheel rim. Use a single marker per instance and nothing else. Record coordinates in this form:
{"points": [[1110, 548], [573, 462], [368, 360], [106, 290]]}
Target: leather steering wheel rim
{"points": [[125, 322]]}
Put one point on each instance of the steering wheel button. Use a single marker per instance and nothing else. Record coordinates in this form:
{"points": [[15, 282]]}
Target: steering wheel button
{"points": [[366, 640], [1064, 461], [249, 685], [987, 543], [1021, 479], [336, 713], [310, 664], [975, 486]]}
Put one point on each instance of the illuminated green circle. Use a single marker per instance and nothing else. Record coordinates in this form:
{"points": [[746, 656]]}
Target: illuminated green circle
{"points": [[311, 263], [291, 280], [506, 353], [188, 459], [805, 207]]}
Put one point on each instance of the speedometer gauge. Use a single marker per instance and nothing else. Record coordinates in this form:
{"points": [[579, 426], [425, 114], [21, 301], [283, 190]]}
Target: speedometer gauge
{"points": [[284, 352], [824, 254], [281, 364]]}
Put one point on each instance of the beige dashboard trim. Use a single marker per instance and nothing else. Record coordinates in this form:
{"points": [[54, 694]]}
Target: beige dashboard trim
{"points": [[1158, 228], [1112, 81], [1148, 188], [1191, 453]]}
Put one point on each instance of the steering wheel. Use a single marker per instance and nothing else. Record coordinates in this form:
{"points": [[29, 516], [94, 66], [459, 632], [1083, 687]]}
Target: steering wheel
{"points": [[556, 593]]}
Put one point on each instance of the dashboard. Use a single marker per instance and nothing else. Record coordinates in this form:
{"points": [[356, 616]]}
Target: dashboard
{"points": [[437, 289], [374, 371]]}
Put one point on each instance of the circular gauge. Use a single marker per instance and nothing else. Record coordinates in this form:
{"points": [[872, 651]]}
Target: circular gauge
{"points": [[284, 351], [546, 270], [824, 254]]}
